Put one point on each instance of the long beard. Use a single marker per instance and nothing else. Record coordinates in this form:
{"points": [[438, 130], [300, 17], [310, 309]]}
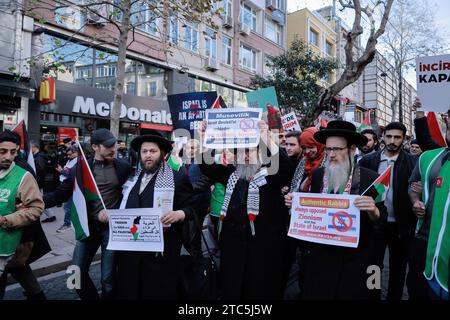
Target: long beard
{"points": [[338, 173], [247, 171]]}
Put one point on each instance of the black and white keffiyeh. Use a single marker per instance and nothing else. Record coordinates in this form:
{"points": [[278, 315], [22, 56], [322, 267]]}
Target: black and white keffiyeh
{"points": [[252, 199], [164, 181]]}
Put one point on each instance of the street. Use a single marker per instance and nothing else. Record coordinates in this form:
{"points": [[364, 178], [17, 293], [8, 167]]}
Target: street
{"points": [[55, 287]]}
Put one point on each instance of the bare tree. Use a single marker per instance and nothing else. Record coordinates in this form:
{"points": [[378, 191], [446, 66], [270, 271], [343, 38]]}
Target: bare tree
{"points": [[126, 16], [354, 66], [411, 32]]}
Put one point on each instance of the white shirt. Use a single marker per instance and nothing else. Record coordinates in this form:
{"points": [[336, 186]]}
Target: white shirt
{"points": [[386, 161], [145, 180]]}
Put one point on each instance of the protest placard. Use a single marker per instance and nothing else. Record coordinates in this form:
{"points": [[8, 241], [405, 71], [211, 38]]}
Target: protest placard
{"points": [[290, 122], [232, 128], [188, 109], [266, 99], [325, 218], [135, 230], [433, 82]]}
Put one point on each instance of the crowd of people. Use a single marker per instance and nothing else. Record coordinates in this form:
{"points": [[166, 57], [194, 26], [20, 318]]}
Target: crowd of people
{"points": [[248, 207]]}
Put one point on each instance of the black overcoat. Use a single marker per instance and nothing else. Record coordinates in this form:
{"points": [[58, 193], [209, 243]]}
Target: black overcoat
{"points": [[251, 267], [332, 272], [150, 275]]}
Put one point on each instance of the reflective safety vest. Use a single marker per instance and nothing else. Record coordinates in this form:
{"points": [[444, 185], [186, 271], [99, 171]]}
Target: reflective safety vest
{"points": [[9, 185], [438, 252]]}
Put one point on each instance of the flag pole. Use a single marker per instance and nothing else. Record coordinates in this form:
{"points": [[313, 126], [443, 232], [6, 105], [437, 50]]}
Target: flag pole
{"points": [[388, 168], [95, 183]]}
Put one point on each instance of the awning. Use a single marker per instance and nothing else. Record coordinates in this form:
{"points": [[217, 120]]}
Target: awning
{"points": [[14, 88], [155, 126]]}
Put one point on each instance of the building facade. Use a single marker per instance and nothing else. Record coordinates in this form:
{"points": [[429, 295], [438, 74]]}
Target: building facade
{"points": [[15, 48], [168, 55], [351, 105], [380, 84], [317, 32]]}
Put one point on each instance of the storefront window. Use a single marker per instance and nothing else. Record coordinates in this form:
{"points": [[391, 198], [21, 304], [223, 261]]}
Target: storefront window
{"points": [[93, 67], [68, 61]]}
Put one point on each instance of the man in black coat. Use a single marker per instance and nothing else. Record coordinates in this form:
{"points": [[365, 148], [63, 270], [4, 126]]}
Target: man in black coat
{"points": [[40, 162], [253, 236], [110, 174], [335, 272], [150, 275], [398, 233]]}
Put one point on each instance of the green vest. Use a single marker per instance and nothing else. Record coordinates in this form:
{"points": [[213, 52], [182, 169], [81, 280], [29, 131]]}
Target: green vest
{"points": [[217, 197], [438, 251], [9, 185]]}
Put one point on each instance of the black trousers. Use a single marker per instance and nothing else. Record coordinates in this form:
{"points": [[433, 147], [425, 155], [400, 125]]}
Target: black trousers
{"points": [[399, 247], [418, 288]]}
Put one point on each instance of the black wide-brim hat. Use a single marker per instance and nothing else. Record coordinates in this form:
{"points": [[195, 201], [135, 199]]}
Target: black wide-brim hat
{"points": [[162, 142], [340, 128]]}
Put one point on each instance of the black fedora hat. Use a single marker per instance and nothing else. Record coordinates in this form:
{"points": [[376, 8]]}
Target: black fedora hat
{"points": [[340, 128], [155, 137]]}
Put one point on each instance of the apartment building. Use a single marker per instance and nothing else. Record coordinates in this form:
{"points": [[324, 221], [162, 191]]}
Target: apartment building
{"points": [[168, 55], [317, 32], [380, 88]]}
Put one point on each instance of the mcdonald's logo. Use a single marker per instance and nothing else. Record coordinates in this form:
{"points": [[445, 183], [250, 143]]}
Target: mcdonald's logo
{"points": [[47, 91]]}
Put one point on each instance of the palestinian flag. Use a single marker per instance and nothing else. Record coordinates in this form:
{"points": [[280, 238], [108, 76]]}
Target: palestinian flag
{"points": [[25, 145], [218, 103], [435, 129], [378, 189], [135, 228], [84, 190], [365, 124]]}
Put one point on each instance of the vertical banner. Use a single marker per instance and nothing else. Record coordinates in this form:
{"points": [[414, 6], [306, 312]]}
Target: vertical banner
{"points": [[433, 82], [188, 109], [266, 99]]}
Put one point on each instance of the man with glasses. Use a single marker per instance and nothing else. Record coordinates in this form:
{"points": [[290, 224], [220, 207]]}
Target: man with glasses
{"points": [[397, 234], [334, 272]]}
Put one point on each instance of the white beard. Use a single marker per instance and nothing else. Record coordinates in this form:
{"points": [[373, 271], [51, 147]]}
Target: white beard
{"points": [[337, 174], [247, 171]]}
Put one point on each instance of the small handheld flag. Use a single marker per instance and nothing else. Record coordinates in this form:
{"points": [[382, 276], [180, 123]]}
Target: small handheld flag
{"points": [[378, 189]]}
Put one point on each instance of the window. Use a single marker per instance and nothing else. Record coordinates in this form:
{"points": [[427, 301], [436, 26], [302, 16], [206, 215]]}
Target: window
{"points": [[247, 58], [228, 8], [191, 37], [329, 48], [248, 17], [172, 30], [227, 50], [280, 4], [210, 43], [273, 31], [152, 89], [111, 71], [131, 88], [313, 37], [101, 71], [144, 18]]}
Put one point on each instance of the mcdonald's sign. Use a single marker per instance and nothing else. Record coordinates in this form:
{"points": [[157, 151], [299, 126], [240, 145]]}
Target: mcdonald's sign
{"points": [[47, 91]]}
